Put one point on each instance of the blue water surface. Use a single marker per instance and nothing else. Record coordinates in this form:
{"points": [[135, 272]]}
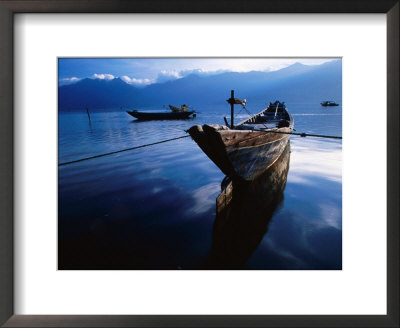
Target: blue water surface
{"points": [[154, 207]]}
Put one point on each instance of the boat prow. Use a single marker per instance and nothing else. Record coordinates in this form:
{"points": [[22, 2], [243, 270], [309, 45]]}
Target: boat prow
{"points": [[247, 150]]}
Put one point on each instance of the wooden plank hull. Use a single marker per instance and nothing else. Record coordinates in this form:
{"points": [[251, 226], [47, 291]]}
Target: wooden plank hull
{"points": [[249, 163], [241, 154], [160, 115]]}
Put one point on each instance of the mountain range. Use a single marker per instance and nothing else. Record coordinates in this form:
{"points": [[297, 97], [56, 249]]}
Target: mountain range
{"points": [[297, 83]]}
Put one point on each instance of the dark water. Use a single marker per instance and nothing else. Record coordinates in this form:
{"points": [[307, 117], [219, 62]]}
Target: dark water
{"points": [[155, 207]]}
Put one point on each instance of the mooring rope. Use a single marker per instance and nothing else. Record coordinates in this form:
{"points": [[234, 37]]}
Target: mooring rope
{"points": [[181, 137], [120, 151], [302, 134]]}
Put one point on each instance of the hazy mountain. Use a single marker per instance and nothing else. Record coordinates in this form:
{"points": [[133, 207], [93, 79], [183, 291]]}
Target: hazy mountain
{"points": [[96, 93], [296, 83]]}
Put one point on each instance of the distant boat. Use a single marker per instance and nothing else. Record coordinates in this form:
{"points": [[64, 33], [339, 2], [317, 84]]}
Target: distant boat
{"points": [[161, 115], [329, 103], [183, 108], [246, 150]]}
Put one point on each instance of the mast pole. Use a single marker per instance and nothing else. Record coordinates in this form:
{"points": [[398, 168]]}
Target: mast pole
{"points": [[232, 104]]}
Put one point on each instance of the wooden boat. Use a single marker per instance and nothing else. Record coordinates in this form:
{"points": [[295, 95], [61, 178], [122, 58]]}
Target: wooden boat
{"points": [[161, 115], [327, 103], [183, 108], [249, 148]]}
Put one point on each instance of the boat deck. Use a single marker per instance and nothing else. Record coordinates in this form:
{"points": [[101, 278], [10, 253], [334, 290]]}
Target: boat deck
{"points": [[258, 126], [265, 120]]}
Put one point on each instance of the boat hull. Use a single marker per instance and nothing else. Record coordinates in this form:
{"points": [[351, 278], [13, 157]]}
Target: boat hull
{"points": [[161, 115], [246, 151], [329, 105], [249, 163], [241, 154]]}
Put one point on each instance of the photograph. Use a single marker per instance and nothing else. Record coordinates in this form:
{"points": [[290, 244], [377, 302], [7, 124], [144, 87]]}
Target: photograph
{"points": [[199, 163]]}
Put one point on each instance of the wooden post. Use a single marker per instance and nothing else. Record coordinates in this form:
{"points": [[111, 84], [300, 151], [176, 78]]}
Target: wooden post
{"points": [[226, 122], [232, 111], [87, 111]]}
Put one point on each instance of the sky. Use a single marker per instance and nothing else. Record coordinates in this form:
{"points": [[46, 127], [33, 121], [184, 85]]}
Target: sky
{"points": [[145, 71]]}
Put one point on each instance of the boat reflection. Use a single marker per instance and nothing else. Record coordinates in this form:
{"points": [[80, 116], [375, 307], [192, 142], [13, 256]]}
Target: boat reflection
{"points": [[244, 210]]}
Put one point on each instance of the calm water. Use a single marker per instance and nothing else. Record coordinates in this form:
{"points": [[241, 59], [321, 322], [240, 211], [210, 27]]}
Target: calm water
{"points": [[155, 207]]}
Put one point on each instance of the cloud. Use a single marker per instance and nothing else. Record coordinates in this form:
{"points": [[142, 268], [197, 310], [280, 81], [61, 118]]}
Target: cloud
{"points": [[103, 76], [202, 72], [137, 82], [165, 76], [68, 80]]}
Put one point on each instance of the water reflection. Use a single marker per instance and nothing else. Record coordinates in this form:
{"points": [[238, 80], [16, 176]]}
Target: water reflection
{"points": [[243, 213]]}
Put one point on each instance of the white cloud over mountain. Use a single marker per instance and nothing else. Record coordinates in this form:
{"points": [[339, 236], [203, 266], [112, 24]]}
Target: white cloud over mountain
{"points": [[103, 76], [166, 75], [134, 81], [68, 80]]}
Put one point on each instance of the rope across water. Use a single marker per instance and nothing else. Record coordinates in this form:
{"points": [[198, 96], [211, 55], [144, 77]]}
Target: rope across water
{"points": [[302, 134], [120, 151], [181, 137]]}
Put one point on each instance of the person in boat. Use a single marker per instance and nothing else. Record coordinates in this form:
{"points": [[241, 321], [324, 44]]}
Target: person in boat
{"points": [[183, 108]]}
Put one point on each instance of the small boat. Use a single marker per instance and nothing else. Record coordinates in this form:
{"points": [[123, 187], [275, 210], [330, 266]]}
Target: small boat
{"points": [[246, 150], [183, 108], [327, 103], [161, 115]]}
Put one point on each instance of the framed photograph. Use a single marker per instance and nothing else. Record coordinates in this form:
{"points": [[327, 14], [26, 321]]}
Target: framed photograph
{"points": [[204, 164]]}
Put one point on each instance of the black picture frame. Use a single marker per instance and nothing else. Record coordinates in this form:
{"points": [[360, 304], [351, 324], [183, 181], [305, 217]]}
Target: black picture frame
{"points": [[7, 10]]}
